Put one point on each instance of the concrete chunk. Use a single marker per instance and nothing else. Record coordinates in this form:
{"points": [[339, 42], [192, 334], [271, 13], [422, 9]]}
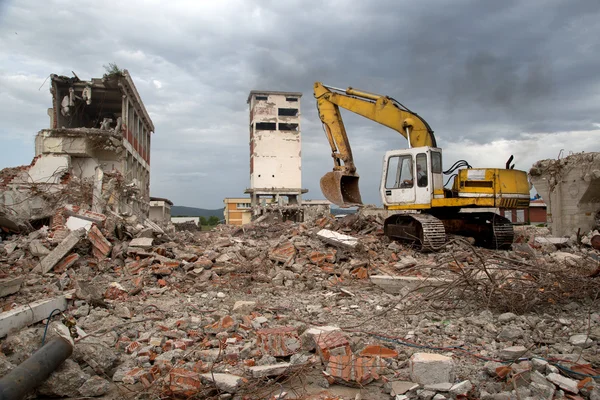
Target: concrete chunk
{"points": [[581, 341], [337, 239], [427, 368], [142, 243], [74, 223], [226, 382], [37, 249], [260, 371], [9, 286], [59, 252], [563, 382], [398, 284], [31, 313], [513, 352]]}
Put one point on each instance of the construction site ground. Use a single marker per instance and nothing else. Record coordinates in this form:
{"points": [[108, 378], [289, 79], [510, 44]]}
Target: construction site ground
{"points": [[275, 310]]}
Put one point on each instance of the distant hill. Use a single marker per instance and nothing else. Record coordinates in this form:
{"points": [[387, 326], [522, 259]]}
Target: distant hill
{"points": [[342, 211], [182, 211]]}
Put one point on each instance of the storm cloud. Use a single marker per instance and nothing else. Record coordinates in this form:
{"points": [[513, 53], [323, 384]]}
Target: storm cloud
{"points": [[491, 78]]}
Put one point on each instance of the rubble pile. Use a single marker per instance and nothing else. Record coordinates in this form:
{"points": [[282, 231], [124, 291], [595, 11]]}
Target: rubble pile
{"points": [[328, 309]]}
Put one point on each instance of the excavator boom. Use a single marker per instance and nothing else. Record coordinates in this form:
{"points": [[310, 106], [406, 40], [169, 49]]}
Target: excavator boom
{"points": [[341, 185]]}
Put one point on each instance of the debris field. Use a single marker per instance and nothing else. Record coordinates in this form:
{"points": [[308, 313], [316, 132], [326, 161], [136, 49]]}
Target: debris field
{"points": [[326, 309]]}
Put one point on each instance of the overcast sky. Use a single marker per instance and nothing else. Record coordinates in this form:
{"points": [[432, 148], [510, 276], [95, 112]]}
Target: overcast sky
{"points": [[492, 78]]}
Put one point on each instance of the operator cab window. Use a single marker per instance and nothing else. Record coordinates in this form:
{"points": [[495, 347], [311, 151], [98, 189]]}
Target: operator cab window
{"points": [[399, 173], [436, 162], [422, 170]]}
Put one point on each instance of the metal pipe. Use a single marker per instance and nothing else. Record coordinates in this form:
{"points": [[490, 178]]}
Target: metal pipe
{"points": [[408, 137], [35, 370], [363, 94]]}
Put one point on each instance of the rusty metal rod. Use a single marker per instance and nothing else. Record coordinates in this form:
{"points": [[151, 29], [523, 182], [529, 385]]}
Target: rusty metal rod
{"points": [[35, 370]]}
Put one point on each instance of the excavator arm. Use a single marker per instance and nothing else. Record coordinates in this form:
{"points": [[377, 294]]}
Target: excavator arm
{"points": [[341, 185]]}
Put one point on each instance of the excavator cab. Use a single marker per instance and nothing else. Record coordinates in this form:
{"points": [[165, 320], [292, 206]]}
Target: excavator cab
{"points": [[411, 177]]}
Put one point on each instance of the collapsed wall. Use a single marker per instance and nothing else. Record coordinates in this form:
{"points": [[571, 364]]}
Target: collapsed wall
{"points": [[570, 187]]}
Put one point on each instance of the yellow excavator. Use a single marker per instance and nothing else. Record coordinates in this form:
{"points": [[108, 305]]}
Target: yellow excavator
{"points": [[419, 207]]}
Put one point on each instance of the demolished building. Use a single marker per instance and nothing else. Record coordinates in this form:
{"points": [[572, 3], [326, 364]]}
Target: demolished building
{"points": [[570, 187], [96, 153]]}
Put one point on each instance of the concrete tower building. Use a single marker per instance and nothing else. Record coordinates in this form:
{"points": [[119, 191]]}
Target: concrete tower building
{"points": [[275, 147]]}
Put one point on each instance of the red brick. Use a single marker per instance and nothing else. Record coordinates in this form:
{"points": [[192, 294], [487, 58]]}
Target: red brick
{"points": [[375, 350], [184, 382], [224, 324], [318, 258], [283, 253], [278, 342], [332, 343], [115, 291], [132, 347], [66, 262], [350, 369], [161, 269], [100, 246], [162, 283]]}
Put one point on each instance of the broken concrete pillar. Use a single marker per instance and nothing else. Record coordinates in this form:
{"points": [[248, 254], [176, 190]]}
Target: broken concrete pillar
{"points": [[426, 368], [60, 251], [338, 239], [31, 313], [570, 187], [9, 286]]}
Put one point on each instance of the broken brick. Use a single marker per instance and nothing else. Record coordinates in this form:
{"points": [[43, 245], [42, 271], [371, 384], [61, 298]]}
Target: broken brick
{"points": [[100, 246], [66, 263], [284, 253], [224, 324], [350, 369], [332, 343], [318, 258], [375, 350], [184, 382], [132, 347], [278, 342], [115, 292]]}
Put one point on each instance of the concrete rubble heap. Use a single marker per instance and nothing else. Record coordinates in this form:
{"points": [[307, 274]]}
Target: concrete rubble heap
{"points": [[323, 309]]}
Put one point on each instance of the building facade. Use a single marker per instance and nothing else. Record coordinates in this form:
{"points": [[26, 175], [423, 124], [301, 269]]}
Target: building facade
{"points": [[237, 211], [160, 209], [275, 147]]}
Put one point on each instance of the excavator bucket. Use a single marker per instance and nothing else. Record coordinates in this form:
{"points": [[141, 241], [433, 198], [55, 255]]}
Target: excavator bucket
{"points": [[341, 189]]}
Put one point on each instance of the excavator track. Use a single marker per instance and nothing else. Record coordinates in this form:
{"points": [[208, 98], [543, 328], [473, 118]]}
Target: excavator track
{"points": [[489, 229], [424, 230]]}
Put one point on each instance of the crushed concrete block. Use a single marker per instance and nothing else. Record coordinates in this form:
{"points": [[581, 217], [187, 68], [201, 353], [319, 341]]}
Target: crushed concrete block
{"points": [[398, 284], [74, 223], [10, 286], [31, 313], [10, 247], [260, 371], [65, 381], [563, 382], [100, 246], [426, 368], [59, 252], [244, 307], [581, 341], [506, 317], [439, 387], [461, 388], [512, 352], [278, 342], [142, 243], [337, 239], [541, 391], [94, 387], [401, 387], [226, 382], [37, 249]]}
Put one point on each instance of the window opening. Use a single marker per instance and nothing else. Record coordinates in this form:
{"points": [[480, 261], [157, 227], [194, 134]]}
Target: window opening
{"points": [[288, 112], [266, 126], [399, 173], [422, 170]]}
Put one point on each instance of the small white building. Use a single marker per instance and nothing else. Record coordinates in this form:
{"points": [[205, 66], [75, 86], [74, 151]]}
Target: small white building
{"points": [[160, 209]]}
